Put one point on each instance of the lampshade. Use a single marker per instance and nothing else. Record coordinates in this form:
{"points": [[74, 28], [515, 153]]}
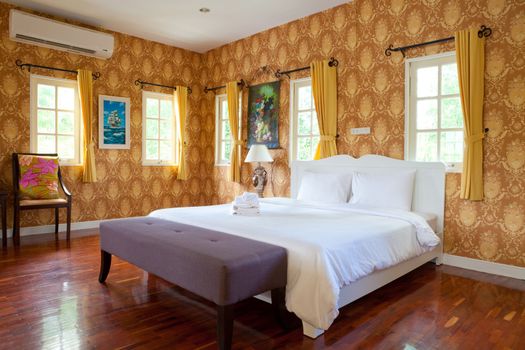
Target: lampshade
{"points": [[258, 153]]}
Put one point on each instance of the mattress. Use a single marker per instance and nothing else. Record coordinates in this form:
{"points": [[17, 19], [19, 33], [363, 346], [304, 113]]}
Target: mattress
{"points": [[328, 246], [431, 219]]}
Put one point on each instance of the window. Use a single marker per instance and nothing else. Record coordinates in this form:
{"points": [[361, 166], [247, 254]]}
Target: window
{"points": [[55, 118], [434, 119], [159, 146], [304, 128], [223, 139]]}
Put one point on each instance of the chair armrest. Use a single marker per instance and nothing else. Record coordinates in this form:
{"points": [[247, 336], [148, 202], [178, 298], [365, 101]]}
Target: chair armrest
{"points": [[64, 188]]}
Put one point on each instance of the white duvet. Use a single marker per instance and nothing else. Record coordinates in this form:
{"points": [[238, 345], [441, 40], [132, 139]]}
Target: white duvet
{"points": [[328, 246]]}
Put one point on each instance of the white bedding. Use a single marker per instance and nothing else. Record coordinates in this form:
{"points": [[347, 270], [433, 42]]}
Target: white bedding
{"points": [[328, 247]]}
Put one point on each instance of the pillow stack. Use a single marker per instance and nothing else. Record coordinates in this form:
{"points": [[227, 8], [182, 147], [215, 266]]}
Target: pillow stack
{"points": [[392, 190]]}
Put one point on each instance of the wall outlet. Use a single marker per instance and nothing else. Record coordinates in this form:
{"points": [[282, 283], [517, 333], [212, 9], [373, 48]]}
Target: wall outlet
{"points": [[360, 131]]}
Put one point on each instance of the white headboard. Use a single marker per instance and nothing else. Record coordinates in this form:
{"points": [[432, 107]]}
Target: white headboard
{"points": [[429, 187]]}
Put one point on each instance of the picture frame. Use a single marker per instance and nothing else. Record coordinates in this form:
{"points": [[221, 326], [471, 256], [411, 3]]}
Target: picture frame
{"points": [[263, 114], [114, 122]]}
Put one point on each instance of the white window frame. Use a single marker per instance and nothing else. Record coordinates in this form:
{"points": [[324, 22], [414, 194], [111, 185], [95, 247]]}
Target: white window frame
{"points": [[294, 114], [175, 145], [218, 129], [410, 104], [34, 80]]}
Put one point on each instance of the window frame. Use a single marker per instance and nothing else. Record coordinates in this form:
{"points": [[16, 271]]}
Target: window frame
{"points": [[159, 96], [411, 101], [295, 84], [218, 130], [34, 81]]}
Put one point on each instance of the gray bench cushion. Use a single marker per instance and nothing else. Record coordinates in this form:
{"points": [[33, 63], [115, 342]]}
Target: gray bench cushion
{"points": [[220, 267]]}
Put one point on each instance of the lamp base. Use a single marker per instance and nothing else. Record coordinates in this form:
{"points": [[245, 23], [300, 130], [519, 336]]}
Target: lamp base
{"points": [[259, 180]]}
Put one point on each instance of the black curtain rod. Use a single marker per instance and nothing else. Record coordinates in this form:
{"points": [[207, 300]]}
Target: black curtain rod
{"points": [[483, 32], [142, 83], [278, 74], [241, 83], [29, 66]]}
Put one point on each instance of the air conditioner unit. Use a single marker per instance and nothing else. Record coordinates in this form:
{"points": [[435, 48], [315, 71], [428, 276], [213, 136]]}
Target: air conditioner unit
{"points": [[31, 29]]}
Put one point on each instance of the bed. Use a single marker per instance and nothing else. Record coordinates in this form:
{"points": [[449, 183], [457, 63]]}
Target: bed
{"points": [[338, 253]]}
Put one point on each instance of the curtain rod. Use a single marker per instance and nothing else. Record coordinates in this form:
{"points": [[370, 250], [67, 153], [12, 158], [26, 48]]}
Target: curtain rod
{"points": [[483, 32], [29, 66], [142, 83], [241, 83], [278, 74]]}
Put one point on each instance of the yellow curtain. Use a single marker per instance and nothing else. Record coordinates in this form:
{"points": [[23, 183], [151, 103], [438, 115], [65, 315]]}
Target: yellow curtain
{"points": [[85, 91], [232, 91], [324, 90], [181, 102], [470, 57]]}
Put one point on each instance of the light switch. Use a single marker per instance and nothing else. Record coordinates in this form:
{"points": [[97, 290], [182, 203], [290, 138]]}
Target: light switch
{"points": [[360, 131]]}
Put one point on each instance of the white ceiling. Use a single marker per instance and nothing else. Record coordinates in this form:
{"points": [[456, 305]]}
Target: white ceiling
{"points": [[179, 22]]}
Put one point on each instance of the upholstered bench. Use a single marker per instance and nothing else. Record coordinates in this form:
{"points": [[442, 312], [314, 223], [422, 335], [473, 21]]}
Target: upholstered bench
{"points": [[219, 267]]}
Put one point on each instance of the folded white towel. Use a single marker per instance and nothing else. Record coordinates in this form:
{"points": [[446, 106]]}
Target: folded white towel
{"points": [[245, 211], [243, 206], [247, 199]]}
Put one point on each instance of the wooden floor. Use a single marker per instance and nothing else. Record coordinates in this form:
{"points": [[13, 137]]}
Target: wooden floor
{"points": [[50, 299]]}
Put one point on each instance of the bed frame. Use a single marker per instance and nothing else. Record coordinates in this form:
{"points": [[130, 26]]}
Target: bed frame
{"points": [[429, 197]]}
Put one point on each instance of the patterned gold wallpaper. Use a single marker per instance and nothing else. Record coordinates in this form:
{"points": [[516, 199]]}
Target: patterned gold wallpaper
{"points": [[125, 188], [371, 93]]}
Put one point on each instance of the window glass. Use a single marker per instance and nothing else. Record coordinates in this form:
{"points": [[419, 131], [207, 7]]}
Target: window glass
{"points": [[55, 118], [435, 119], [304, 131], [159, 144], [223, 142]]}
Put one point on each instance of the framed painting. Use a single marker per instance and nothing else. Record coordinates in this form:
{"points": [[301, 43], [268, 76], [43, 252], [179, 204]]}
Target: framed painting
{"points": [[113, 122], [263, 114]]}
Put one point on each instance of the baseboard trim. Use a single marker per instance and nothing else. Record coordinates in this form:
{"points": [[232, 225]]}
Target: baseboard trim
{"points": [[38, 230], [484, 266]]}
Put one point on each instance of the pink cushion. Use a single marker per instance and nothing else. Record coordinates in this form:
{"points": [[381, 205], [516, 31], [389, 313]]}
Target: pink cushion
{"points": [[38, 177]]}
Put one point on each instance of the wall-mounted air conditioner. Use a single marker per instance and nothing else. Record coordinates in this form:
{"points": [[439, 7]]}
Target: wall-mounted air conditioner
{"points": [[31, 29]]}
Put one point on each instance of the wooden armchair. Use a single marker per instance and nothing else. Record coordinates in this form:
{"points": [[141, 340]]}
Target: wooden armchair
{"points": [[28, 204]]}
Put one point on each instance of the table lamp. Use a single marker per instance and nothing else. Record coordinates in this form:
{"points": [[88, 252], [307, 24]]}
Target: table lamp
{"points": [[259, 153]]}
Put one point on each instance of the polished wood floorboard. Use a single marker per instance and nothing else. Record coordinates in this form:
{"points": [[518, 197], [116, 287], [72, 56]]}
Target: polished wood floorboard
{"points": [[50, 299]]}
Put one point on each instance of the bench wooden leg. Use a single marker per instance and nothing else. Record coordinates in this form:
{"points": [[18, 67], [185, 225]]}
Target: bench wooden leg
{"points": [[105, 265], [288, 320], [224, 326]]}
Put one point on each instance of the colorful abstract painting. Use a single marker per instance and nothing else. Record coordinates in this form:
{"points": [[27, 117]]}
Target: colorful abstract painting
{"points": [[113, 122], [263, 114]]}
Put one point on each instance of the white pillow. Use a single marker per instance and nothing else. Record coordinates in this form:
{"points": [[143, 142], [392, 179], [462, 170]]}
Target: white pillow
{"points": [[388, 190], [325, 187]]}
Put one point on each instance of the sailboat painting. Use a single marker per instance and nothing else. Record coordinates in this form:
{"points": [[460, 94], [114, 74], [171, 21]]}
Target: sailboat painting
{"points": [[114, 122]]}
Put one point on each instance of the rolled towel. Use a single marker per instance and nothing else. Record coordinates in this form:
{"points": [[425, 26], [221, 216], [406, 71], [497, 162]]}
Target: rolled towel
{"points": [[247, 199], [238, 201], [250, 197]]}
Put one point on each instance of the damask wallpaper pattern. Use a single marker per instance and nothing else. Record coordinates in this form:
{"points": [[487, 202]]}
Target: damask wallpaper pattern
{"points": [[370, 93], [124, 187]]}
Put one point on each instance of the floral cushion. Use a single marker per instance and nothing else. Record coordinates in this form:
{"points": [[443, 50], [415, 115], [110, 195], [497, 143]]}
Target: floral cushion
{"points": [[38, 177]]}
